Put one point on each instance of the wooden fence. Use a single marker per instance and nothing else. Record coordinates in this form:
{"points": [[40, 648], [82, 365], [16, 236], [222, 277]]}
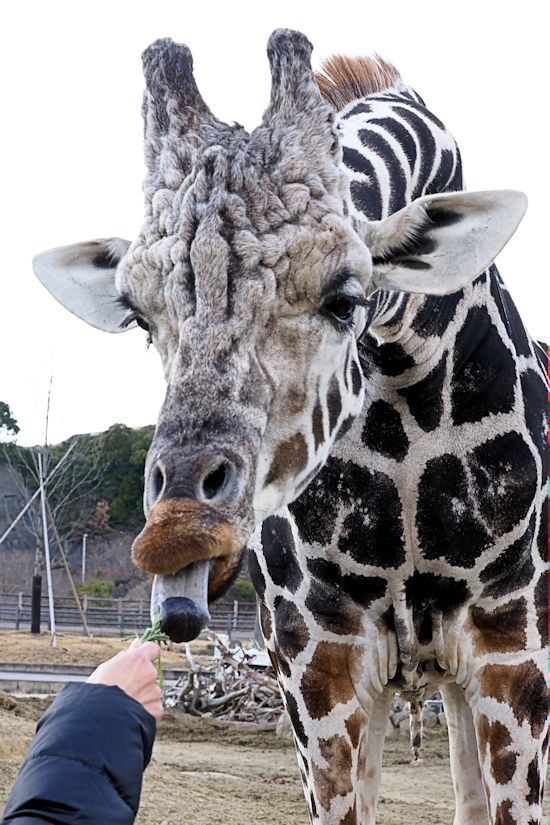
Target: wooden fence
{"points": [[120, 617]]}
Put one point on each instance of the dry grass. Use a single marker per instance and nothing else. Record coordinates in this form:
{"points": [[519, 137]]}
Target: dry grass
{"points": [[25, 648]]}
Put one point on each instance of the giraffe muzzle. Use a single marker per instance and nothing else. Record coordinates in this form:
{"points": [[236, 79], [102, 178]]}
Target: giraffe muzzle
{"points": [[194, 553], [179, 532]]}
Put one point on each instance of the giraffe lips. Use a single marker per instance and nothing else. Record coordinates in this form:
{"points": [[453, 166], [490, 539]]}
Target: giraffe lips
{"points": [[180, 532], [182, 601]]}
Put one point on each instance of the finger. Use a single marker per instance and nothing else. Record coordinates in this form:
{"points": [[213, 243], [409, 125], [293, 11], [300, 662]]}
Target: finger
{"points": [[151, 650], [153, 703], [155, 709], [136, 643]]}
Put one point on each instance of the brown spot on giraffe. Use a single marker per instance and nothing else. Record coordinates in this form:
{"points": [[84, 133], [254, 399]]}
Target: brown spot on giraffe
{"points": [[535, 793], [523, 687], [503, 815], [362, 759], [354, 725], [498, 739], [290, 628], [335, 780], [327, 681], [541, 607], [265, 621], [295, 400], [333, 609], [289, 460], [317, 424], [351, 817], [501, 630], [274, 658], [334, 402], [345, 427]]}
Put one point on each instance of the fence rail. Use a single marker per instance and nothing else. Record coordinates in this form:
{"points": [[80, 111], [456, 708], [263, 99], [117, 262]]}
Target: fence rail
{"points": [[117, 616]]}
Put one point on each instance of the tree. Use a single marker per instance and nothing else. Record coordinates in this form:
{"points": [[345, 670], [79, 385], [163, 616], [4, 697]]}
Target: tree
{"points": [[8, 425], [72, 492], [121, 453], [241, 590]]}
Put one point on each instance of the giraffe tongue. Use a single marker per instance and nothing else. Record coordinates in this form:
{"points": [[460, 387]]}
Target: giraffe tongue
{"points": [[182, 601]]}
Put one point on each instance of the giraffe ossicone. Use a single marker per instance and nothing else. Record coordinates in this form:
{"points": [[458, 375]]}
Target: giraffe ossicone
{"points": [[346, 373]]}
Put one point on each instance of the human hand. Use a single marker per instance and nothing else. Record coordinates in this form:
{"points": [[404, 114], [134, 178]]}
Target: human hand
{"points": [[133, 672]]}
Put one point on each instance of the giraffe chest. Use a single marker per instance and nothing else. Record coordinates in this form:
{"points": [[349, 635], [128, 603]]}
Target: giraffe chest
{"points": [[411, 545], [443, 509]]}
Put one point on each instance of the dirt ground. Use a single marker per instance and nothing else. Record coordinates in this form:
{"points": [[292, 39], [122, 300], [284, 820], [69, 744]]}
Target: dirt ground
{"points": [[207, 773]]}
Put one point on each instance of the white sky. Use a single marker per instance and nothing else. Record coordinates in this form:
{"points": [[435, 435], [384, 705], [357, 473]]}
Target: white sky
{"points": [[72, 161]]}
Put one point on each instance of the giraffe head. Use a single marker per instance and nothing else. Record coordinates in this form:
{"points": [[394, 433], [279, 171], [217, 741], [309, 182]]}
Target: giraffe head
{"points": [[253, 283]]}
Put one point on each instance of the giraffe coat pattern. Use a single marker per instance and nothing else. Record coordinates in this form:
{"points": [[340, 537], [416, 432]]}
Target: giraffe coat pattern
{"points": [[345, 371]]}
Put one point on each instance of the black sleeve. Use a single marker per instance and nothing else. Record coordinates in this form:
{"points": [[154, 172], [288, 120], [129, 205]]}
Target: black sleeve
{"points": [[86, 761]]}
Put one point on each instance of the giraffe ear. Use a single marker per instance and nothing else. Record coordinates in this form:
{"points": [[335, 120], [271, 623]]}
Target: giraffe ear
{"points": [[82, 278], [439, 243]]}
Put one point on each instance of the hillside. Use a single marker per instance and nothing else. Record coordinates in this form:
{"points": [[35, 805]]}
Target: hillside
{"points": [[97, 491]]}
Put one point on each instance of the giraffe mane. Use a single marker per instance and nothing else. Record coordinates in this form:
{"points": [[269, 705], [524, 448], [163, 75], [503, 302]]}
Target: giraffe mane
{"points": [[345, 79]]}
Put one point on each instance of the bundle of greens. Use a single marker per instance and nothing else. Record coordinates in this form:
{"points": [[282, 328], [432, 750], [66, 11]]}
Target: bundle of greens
{"points": [[155, 634]]}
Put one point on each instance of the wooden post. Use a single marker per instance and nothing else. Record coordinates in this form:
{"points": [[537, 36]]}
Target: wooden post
{"points": [[120, 617], [235, 614], [53, 640], [36, 603], [85, 628], [19, 610]]}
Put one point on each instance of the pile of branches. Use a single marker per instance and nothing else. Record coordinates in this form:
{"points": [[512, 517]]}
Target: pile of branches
{"points": [[229, 689]]}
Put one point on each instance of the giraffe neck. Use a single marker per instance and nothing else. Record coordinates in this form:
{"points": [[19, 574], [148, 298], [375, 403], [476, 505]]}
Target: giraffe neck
{"points": [[412, 560], [405, 337]]}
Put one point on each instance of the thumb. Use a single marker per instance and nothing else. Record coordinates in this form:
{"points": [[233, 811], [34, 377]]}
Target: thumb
{"points": [[136, 643], [151, 650]]}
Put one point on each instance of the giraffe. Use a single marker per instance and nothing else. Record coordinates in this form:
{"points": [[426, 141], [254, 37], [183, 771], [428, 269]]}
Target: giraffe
{"points": [[347, 373]]}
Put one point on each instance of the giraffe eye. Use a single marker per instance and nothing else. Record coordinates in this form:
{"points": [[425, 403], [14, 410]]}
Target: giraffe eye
{"points": [[340, 308]]}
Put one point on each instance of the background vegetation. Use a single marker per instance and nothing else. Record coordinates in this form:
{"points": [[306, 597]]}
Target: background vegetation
{"points": [[98, 490]]}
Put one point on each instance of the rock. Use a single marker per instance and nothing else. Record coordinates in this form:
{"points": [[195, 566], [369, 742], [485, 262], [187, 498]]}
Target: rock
{"points": [[442, 719], [284, 727], [389, 728], [404, 727], [7, 702], [429, 719], [398, 717]]}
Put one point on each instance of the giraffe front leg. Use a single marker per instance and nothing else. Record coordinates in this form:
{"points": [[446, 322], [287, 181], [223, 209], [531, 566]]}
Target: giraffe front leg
{"points": [[341, 772], [339, 741], [329, 727], [471, 802], [509, 705]]}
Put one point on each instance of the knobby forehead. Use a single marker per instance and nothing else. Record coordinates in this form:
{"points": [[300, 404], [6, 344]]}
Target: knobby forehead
{"points": [[247, 227]]}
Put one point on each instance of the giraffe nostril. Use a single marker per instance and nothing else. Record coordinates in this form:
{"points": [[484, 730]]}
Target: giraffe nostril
{"points": [[156, 482], [214, 483]]}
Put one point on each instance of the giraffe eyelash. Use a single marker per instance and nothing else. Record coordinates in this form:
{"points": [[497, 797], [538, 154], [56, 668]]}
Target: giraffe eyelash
{"points": [[135, 316]]}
